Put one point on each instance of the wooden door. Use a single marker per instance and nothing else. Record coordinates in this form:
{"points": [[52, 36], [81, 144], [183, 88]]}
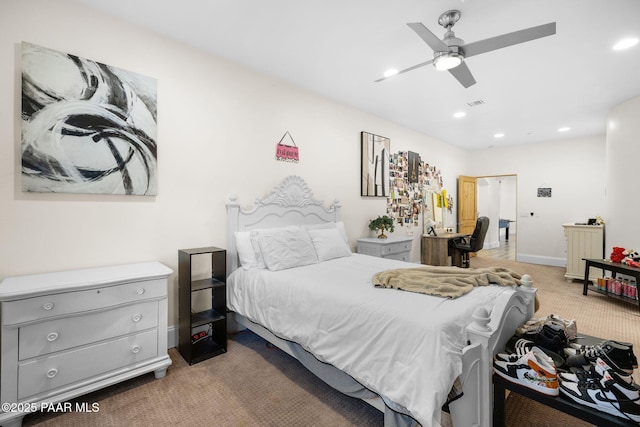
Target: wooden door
{"points": [[467, 204]]}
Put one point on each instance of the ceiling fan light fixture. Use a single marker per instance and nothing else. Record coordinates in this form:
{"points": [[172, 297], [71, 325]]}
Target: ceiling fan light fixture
{"points": [[447, 60], [625, 43], [390, 72]]}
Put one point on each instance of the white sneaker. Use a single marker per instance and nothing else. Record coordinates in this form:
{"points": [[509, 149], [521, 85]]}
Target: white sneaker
{"points": [[611, 394], [534, 370]]}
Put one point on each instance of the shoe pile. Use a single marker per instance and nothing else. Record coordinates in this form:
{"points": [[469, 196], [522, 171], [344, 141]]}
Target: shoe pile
{"points": [[543, 357]]}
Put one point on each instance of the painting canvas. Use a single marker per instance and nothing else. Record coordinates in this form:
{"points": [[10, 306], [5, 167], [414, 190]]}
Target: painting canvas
{"points": [[374, 165], [87, 127]]}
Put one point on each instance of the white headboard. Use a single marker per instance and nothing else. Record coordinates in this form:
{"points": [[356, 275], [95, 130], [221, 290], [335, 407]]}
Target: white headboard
{"points": [[290, 203]]}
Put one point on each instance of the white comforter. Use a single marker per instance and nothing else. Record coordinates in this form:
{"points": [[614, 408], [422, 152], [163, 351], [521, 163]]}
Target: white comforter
{"points": [[405, 346]]}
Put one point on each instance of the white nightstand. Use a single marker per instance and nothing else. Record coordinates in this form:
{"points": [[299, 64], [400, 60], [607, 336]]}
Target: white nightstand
{"points": [[392, 247]]}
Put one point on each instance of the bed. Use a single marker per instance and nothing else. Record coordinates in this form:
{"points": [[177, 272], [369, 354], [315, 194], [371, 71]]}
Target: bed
{"points": [[404, 350]]}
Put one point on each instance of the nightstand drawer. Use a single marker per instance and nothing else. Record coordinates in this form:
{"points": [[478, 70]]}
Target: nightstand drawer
{"points": [[402, 256], [395, 248], [42, 375], [61, 334], [37, 308]]}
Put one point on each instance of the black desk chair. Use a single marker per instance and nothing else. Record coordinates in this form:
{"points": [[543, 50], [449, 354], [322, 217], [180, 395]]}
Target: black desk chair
{"points": [[461, 246]]}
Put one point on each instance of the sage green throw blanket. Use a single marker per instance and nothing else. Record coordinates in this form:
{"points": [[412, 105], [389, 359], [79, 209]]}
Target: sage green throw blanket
{"points": [[447, 282]]}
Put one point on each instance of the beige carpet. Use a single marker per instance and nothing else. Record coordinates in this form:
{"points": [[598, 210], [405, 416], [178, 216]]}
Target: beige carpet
{"points": [[253, 385]]}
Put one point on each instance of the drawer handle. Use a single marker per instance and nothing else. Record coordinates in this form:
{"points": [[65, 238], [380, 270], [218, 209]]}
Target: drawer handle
{"points": [[137, 317], [48, 306], [135, 349], [52, 336], [52, 373], [140, 291]]}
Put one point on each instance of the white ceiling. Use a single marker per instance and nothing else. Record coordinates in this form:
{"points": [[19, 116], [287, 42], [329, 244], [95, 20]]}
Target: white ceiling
{"points": [[337, 48]]}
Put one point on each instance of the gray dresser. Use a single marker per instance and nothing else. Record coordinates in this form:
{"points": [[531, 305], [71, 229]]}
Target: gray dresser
{"points": [[392, 247]]}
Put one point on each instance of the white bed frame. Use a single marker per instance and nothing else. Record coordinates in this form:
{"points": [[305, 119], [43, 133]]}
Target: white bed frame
{"points": [[292, 203]]}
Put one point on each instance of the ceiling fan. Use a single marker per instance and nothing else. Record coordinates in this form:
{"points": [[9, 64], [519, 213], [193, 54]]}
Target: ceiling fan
{"points": [[450, 52]]}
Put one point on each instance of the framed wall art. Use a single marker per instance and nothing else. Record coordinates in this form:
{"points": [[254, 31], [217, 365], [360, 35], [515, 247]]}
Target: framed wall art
{"points": [[374, 166], [87, 127]]}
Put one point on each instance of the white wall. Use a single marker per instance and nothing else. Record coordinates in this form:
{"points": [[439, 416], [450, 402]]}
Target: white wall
{"points": [[489, 206], [623, 152], [218, 124], [574, 169]]}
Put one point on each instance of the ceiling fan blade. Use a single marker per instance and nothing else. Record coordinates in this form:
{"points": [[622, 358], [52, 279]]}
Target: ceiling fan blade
{"points": [[422, 64], [509, 39], [431, 39], [463, 75]]}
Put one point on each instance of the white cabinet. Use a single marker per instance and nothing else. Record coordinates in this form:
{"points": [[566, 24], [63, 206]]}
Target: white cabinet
{"points": [[583, 241], [69, 333], [392, 247]]}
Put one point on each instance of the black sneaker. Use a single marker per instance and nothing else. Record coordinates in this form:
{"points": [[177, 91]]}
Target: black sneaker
{"points": [[610, 394], [622, 350], [551, 338], [610, 353]]}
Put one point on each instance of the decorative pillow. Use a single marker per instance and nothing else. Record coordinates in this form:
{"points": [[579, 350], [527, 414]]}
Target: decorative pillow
{"points": [[329, 243], [283, 248], [247, 251]]}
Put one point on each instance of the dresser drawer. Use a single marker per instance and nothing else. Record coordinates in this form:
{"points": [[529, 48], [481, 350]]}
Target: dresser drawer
{"points": [[43, 307], [395, 248], [41, 375], [56, 335]]}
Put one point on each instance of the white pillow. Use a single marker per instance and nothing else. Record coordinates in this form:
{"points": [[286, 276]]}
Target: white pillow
{"points": [[249, 256], [329, 243], [283, 248], [323, 225], [343, 231]]}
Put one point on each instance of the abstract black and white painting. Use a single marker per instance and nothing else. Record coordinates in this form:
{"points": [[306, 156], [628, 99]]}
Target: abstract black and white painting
{"points": [[87, 127], [374, 165]]}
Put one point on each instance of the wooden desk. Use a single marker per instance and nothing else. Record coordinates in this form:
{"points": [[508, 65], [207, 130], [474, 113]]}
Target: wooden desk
{"points": [[435, 249]]}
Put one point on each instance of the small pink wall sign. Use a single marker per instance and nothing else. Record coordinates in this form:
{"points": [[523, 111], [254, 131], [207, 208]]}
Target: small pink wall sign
{"points": [[287, 153]]}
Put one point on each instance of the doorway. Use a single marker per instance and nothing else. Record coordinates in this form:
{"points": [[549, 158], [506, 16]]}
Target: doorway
{"points": [[497, 199]]}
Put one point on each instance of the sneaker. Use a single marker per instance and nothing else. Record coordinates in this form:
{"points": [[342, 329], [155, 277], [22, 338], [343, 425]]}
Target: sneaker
{"points": [[612, 354], [532, 370], [534, 325], [610, 394], [594, 372], [570, 327], [551, 337], [521, 346], [622, 350]]}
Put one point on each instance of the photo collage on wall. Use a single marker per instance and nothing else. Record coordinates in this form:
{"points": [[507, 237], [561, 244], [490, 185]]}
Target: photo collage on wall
{"points": [[411, 182]]}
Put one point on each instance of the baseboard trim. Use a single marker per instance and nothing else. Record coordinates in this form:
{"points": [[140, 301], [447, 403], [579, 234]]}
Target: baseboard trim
{"points": [[172, 336], [491, 245], [543, 260]]}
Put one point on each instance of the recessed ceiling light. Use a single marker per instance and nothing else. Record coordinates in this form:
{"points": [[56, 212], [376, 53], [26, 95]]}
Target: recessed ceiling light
{"points": [[625, 43], [459, 114], [390, 72], [498, 135], [564, 129]]}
